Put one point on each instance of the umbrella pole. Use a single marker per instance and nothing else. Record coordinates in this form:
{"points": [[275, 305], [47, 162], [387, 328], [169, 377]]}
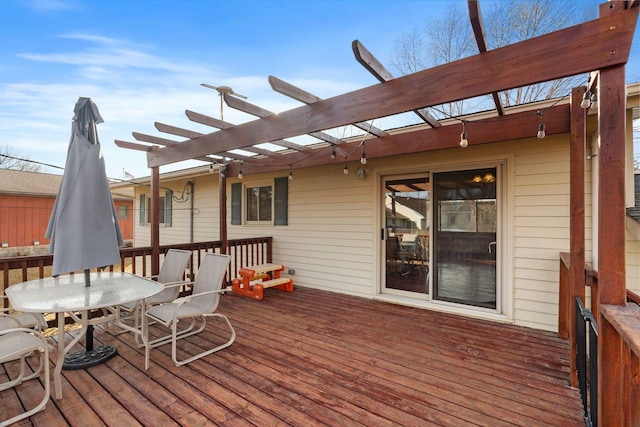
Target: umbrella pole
{"points": [[89, 335], [89, 356]]}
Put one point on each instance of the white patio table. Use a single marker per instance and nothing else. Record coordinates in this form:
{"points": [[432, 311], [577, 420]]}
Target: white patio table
{"points": [[68, 294]]}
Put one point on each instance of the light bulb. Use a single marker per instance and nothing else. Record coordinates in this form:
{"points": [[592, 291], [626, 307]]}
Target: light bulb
{"points": [[463, 140], [240, 174], [346, 169], [290, 175], [586, 100], [363, 159], [333, 153], [541, 132]]}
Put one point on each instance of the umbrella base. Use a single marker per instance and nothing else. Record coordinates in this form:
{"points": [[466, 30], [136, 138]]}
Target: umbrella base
{"points": [[82, 359]]}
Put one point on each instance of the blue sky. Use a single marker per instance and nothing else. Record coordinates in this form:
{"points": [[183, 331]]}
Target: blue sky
{"points": [[142, 61]]}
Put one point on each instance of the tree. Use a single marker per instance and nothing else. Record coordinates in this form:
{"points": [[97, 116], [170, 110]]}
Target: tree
{"points": [[11, 160], [506, 22]]}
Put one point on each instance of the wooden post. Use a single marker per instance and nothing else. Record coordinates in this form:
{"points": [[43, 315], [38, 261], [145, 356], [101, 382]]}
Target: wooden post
{"points": [[155, 220], [222, 190], [577, 219], [611, 242]]}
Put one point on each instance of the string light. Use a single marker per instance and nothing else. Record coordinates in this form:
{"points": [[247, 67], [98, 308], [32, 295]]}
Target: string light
{"points": [[463, 136], [541, 127], [345, 170], [333, 152], [363, 159], [586, 100], [290, 173], [211, 168], [240, 174]]}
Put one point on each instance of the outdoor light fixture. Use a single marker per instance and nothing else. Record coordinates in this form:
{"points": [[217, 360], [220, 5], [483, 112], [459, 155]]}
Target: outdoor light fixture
{"points": [[240, 174], [333, 152], [586, 100], [463, 136], [541, 127]]}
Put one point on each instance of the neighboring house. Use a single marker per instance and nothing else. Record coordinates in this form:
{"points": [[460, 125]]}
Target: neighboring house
{"points": [[494, 218], [26, 201]]}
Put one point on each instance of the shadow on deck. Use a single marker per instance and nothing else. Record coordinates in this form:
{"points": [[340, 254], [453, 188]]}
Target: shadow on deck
{"points": [[318, 358]]}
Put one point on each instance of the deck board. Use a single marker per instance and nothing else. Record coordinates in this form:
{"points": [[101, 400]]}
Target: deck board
{"points": [[314, 358]]}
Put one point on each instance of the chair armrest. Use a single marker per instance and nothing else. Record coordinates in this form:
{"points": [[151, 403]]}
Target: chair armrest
{"points": [[190, 297], [10, 318], [175, 284]]}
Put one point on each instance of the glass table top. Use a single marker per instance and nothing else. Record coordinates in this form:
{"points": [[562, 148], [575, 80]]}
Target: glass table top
{"points": [[69, 293]]}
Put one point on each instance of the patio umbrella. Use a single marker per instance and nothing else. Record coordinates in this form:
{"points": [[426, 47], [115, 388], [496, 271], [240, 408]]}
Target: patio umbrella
{"points": [[83, 228]]}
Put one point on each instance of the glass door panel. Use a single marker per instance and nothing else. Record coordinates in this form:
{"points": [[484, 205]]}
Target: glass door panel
{"points": [[465, 211], [406, 233]]}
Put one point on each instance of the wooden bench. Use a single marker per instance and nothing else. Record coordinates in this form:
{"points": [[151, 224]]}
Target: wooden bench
{"points": [[255, 279]]}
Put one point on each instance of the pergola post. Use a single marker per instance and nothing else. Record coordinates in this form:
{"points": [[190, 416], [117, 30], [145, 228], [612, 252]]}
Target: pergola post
{"points": [[612, 393], [222, 190], [577, 220], [155, 220]]}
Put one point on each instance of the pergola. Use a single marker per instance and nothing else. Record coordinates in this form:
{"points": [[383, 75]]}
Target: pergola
{"points": [[600, 47]]}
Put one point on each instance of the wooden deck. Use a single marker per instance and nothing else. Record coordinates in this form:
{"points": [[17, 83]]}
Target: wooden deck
{"points": [[316, 358]]}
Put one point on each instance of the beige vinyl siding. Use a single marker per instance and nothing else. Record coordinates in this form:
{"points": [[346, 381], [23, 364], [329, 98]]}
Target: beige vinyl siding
{"points": [[206, 214], [540, 227]]}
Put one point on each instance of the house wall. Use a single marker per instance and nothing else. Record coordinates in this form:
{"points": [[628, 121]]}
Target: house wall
{"points": [[24, 219]]}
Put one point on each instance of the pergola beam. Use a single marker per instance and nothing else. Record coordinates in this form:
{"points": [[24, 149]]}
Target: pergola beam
{"points": [[579, 49], [517, 126]]}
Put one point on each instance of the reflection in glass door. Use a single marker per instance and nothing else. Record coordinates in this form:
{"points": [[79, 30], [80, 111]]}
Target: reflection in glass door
{"points": [[465, 245], [406, 234]]}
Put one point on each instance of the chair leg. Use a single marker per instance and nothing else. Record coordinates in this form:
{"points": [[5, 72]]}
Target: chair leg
{"points": [[175, 337], [44, 362]]}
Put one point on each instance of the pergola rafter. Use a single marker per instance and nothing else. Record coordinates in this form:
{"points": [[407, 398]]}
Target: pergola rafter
{"points": [[481, 40], [371, 63]]}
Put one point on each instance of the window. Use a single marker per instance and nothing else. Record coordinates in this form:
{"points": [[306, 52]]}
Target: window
{"points": [[259, 203], [267, 203], [165, 213], [123, 212]]}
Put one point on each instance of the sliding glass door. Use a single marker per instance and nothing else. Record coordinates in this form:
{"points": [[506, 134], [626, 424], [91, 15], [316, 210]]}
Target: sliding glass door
{"points": [[464, 237], [407, 208]]}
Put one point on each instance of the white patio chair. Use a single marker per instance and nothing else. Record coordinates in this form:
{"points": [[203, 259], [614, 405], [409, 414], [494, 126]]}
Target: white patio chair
{"points": [[25, 320], [201, 304], [16, 344], [171, 274]]}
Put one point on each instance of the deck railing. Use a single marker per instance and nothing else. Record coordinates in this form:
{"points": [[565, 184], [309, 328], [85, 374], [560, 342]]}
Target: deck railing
{"points": [[587, 362], [137, 260], [623, 324]]}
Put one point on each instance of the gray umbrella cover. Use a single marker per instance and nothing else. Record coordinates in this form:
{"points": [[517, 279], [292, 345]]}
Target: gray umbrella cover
{"points": [[83, 228]]}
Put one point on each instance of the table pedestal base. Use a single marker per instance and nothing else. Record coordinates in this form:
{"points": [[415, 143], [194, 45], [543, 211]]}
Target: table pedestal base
{"points": [[82, 359]]}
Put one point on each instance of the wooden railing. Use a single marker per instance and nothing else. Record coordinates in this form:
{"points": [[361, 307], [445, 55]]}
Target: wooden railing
{"points": [[622, 323], [243, 252]]}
